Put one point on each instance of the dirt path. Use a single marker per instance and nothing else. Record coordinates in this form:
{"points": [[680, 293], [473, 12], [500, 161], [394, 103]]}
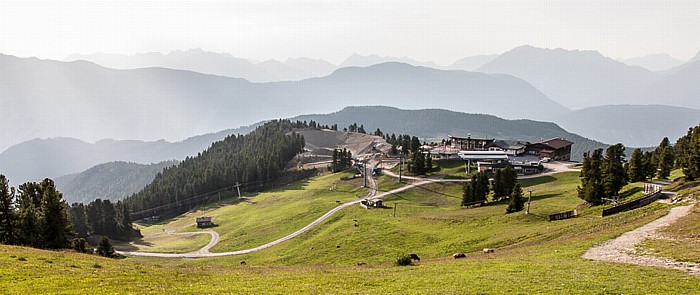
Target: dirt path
{"points": [[621, 249]]}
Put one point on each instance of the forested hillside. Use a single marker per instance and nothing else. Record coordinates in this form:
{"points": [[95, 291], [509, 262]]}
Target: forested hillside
{"points": [[110, 181], [254, 160]]}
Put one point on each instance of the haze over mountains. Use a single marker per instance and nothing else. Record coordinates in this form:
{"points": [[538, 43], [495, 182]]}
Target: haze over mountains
{"points": [[654, 62], [580, 79], [109, 181], [166, 97], [632, 125], [91, 102], [37, 159], [224, 64]]}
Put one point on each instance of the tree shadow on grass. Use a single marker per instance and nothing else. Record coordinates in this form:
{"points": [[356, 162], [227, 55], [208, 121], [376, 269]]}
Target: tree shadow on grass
{"points": [[130, 246], [536, 181], [630, 192]]}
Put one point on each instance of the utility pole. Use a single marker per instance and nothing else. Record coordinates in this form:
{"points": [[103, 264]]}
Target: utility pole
{"points": [[400, 167], [528, 201], [364, 171], [238, 187]]}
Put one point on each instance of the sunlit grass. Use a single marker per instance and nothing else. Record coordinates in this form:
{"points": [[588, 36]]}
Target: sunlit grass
{"points": [[533, 255]]}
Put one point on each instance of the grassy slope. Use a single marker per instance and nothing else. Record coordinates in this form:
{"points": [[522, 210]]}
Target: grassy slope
{"points": [[681, 239], [532, 255]]}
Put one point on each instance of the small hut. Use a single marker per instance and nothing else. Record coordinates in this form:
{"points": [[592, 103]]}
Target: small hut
{"points": [[203, 222]]}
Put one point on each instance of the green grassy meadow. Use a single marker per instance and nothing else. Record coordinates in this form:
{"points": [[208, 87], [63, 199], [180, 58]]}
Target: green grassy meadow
{"points": [[532, 255]]}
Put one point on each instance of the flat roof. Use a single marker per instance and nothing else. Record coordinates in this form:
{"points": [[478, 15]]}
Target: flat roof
{"points": [[470, 138], [483, 155]]}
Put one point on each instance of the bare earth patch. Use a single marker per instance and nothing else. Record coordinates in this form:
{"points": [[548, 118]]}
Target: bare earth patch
{"points": [[622, 248]]}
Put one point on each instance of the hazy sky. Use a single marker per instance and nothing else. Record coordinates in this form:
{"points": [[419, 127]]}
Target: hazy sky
{"points": [[440, 31]]}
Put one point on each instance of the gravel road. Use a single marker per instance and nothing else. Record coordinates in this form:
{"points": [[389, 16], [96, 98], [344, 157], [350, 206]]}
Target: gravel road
{"points": [[621, 249]]}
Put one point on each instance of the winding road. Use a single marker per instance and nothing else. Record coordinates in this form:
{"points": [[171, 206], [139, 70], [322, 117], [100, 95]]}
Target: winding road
{"points": [[372, 194]]}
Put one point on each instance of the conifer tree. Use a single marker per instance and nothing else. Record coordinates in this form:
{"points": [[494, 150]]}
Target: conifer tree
{"points": [[517, 202], [467, 194], [104, 247], [614, 176], [635, 170], [591, 189], [480, 183], [8, 215], [55, 224], [664, 158]]}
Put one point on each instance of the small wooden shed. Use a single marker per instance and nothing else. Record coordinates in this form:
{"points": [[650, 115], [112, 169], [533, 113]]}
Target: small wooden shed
{"points": [[203, 222]]}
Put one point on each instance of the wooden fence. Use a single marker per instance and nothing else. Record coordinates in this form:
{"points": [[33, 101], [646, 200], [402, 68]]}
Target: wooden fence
{"points": [[634, 204], [563, 215]]}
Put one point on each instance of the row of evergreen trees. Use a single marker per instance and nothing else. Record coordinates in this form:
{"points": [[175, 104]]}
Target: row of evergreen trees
{"points": [[687, 150], [604, 175], [254, 160], [313, 125], [420, 163], [647, 165], [102, 218], [35, 215], [341, 160], [504, 185]]}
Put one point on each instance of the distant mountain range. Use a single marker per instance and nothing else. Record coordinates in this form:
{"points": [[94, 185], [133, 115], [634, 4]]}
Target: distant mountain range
{"points": [[576, 79], [224, 64], [580, 79], [632, 125], [471, 63], [221, 64], [573, 78], [37, 159], [69, 97], [436, 124], [109, 181], [654, 62]]}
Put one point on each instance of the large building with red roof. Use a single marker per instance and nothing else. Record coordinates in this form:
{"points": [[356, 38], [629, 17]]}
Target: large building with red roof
{"points": [[557, 149]]}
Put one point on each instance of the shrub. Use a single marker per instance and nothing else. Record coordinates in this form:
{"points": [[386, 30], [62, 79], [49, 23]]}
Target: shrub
{"points": [[104, 248], [80, 245], [404, 260]]}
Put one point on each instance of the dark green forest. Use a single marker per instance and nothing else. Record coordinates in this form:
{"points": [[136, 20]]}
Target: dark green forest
{"points": [[254, 161]]}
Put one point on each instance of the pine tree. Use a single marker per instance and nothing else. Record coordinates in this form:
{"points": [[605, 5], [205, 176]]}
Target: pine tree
{"points": [[55, 226], [414, 144], [635, 170], [649, 166], [503, 182], [517, 202], [591, 189], [104, 247], [480, 182], [664, 158], [614, 176], [467, 194], [78, 217], [428, 164], [691, 157], [361, 129], [8, 216], [29, 215]]}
